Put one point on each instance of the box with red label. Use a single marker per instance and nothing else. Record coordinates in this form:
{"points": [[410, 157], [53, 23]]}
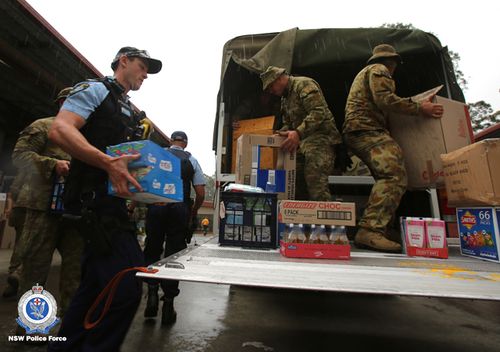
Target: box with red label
{"points": [[424, 237], [479, 232], [315, 251], [318, 213]]}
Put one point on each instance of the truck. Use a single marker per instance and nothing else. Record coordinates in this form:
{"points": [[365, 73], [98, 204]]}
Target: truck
{"points": [[332, 57]]}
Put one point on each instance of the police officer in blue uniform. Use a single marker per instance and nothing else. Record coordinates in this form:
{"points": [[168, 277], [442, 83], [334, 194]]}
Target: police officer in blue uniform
{"points": [[170, 224], [95, 115]]}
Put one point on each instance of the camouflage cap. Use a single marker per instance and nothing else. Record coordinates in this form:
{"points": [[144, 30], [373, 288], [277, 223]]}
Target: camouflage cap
{"points": [[270, 75], [383, 50], [63, 94]]}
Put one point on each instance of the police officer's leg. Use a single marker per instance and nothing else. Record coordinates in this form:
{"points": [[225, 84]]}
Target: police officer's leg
{"points": [[155, 239], [178, 217], [98, 271], [39, 233], [319, 159], [384, 158], [70, 246]]}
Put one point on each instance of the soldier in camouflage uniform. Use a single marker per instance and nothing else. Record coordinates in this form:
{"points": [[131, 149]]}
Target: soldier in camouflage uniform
{"points": [[43, 232], [310, 129], [371, 98]]}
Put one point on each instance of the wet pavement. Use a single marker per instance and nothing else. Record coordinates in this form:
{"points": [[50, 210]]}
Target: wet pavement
{"points": [[223, 318]]}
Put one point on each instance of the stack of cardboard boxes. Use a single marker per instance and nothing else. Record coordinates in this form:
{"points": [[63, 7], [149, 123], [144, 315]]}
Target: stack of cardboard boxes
{"points": [[472, 177]]}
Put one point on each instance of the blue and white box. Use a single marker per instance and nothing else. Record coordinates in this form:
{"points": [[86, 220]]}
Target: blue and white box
{"points": [[151, 155], [478, 229], [158, 186]]}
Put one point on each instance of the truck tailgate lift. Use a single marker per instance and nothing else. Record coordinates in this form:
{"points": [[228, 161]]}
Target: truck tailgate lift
{"points": [[366, 272]]}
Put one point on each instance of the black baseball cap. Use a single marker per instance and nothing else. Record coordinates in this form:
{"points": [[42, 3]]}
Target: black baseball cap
{"points": [[154, 66], [179, 136]]}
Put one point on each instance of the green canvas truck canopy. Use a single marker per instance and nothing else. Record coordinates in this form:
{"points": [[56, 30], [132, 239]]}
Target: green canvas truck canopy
{"points": [[332, 57]]}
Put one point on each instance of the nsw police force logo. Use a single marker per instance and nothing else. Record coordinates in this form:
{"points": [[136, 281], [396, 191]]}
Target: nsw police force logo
{"points": [[37, 311]]}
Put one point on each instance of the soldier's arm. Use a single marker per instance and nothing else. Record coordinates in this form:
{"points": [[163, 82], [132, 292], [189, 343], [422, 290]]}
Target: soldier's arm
{"points": [[29, 148], [383, 90], [314, 104]]}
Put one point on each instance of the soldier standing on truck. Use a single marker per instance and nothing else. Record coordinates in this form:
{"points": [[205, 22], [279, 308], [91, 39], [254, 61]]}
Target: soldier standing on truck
{"points": [[371, 98], [309, 128]]}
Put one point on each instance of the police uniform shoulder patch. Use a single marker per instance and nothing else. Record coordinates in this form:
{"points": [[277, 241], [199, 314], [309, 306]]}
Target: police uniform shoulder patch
{"points": [[37, 310], [79, 88]]}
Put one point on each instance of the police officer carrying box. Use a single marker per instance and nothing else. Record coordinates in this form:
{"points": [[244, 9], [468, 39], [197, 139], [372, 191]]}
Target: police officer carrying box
{"points": [[170, 224], [98, 114]]}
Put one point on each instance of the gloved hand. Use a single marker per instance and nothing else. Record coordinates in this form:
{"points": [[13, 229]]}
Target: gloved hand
{"points": [[342, 159]]}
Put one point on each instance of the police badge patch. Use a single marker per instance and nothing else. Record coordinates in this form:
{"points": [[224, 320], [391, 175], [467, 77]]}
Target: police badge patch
{"points": [[37, 311]]}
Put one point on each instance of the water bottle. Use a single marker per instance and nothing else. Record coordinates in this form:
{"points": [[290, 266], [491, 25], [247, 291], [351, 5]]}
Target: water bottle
{"points": [[335, 236], [297, 234], [318, 235], [343, 235]]}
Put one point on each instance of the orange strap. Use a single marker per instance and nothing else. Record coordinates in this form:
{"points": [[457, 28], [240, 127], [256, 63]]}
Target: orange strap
{"points": [[110, 290]]}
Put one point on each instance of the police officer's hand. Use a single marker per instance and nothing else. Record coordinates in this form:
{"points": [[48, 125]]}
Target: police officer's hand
{"points": [[62, 167], [291, 143], [117, 169], [429, 109]]}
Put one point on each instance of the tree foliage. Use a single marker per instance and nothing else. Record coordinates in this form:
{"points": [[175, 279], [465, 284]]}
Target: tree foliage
{"points": [[481, 113]]}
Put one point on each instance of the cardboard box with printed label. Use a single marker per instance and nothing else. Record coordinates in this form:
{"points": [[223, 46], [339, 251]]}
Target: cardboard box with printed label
{"points": [[263, 126], [317, 213], [158, 186], [479, 232], [157, 171], [424, 139], [472, 174], [249, 169], [151, 155]]}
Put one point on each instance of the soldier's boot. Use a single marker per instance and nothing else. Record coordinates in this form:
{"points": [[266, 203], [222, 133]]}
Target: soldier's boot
{"points": [[12, 286], [375, 241], [168, 313], [151, 310]]}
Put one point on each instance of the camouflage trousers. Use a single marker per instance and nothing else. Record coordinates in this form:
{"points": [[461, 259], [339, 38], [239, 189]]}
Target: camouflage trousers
{"points": [[384, 158], [42, 234], [16, 220], [315, 160]]}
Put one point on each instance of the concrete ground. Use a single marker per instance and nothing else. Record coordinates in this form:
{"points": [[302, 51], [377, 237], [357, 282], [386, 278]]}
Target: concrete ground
{"points": [[223, 318]]}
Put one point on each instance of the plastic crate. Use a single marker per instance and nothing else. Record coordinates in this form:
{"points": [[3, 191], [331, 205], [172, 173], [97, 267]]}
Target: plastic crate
{"points": [[248, 219]]}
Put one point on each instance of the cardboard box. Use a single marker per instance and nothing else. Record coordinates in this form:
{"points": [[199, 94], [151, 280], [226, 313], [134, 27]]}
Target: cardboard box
{"points": [[424, 139], [262, 126], [472, 174], [8, 235], [151, 155], [158, 186], [248, 160], [424, 237], [479, 232], [318, 213]]}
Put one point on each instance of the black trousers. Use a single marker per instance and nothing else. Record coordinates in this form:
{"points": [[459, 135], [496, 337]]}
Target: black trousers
{"points": [[166, 228], [97, 271]]}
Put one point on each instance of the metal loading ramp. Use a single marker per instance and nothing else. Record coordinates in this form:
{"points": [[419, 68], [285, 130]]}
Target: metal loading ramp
{"points": [[365, 272]]}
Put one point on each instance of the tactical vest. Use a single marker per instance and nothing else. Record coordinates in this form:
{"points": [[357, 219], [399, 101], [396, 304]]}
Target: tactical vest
{"points": [[112, 122], [187, 172]]}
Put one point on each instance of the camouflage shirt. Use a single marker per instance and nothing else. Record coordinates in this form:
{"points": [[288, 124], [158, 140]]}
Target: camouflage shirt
{"points": [[304, 109], [36, 156], [371, 98]]}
